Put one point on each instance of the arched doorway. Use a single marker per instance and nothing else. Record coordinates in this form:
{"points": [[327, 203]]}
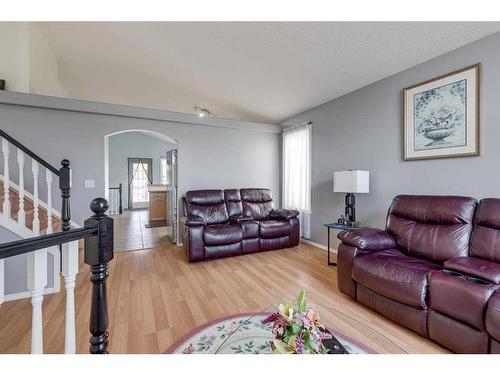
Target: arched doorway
{"points": [[141, 188]]}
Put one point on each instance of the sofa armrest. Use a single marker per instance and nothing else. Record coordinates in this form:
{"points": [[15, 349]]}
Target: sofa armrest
{"points": [[367, 239], [475, 267], [240, 218], [283, 214], [193, 221]]}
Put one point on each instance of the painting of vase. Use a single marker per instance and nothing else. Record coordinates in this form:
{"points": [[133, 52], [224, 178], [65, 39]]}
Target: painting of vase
{"points": [[441, 116]]}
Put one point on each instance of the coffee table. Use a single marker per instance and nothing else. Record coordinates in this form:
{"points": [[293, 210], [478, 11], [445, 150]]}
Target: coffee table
{"points": [[247, 335]]}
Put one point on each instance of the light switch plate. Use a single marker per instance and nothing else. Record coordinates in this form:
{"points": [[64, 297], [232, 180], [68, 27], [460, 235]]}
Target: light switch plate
{"points": [[89, 184]]}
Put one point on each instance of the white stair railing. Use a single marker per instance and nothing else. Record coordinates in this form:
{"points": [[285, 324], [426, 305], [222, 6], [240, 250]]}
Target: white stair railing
{"points": [[69, 271], [48, 179], [21, 214], [37, 260], [6, 193], [36, 220], [37, 280]]}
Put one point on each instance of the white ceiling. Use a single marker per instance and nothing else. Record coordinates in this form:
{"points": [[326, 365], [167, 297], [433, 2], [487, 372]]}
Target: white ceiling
{"points": [[262, 72]]}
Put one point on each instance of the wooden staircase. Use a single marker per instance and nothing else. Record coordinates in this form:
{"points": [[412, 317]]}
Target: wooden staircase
{"points": [[44, 230], [29, 211]]}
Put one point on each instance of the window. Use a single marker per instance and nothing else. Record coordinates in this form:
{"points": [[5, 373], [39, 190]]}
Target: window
{"points": [[297, 172], [164, 171]]}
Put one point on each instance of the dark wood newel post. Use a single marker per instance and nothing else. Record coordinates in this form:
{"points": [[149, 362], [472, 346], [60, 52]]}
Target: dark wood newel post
{"points": [[65, 187], [98, 252]]}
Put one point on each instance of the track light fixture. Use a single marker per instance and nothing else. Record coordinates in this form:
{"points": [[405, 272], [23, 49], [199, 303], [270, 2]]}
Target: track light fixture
{"points": [[203, 112]]}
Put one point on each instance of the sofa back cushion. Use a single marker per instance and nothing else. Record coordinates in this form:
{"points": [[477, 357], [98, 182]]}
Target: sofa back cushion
{"points": [[436, 228], [233, 202], [485, 239], [209, 204], [257, 203]]}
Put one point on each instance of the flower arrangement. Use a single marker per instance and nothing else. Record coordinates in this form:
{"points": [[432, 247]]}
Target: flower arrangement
{"points": [[444, 117], [297, 329]]}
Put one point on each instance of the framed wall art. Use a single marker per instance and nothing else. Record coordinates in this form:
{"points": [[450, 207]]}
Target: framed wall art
{"points": [[441, 116]]}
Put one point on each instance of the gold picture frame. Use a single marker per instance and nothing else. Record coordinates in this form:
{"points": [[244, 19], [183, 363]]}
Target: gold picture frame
{"points": [[441, 116]]}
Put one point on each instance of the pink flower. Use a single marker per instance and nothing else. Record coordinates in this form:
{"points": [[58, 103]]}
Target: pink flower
{"points": [[271, 318], [299, 342], [278, 330], [313, 317], [189, 350]]}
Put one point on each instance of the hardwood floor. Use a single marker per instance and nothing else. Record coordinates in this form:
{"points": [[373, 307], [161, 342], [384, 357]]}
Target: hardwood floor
{"points": [[155, 297]]}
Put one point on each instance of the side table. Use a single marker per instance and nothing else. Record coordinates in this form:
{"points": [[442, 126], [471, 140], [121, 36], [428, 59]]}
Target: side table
{"points": [[334, 226]]}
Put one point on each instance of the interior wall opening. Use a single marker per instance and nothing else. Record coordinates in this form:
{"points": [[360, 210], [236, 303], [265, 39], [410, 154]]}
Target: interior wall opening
{"points": [[141, 188]]}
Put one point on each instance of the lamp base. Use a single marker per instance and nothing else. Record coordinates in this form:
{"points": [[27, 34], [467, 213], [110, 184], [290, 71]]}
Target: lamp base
{"points": [[350, 210]]}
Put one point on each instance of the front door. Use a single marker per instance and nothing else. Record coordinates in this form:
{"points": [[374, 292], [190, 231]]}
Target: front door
{"points": [[140, 176]]}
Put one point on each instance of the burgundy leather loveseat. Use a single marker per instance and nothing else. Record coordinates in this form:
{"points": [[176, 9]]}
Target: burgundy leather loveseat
{"points": [[224, 223], [435, 269]]}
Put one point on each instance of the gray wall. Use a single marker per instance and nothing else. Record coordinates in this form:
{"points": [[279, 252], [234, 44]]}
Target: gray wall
{"points": [[213, 153], [363, 130], [131, 145]]}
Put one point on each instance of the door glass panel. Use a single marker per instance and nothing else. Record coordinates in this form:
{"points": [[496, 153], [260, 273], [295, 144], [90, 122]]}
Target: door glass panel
{"points": [[140, 183]]}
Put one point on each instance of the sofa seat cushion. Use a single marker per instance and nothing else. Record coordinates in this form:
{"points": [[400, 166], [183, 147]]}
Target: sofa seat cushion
{"points": [[394, 275], [476, 267], [274, 228], [493, 317], [222, 234], [459, 297]]}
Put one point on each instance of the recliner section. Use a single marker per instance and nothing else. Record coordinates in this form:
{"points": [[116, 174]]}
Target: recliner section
{"points": [[223, 223], [435, 269]]}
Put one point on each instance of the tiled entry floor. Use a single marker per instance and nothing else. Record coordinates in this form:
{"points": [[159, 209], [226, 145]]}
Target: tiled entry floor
{"points": [[131, 233]]}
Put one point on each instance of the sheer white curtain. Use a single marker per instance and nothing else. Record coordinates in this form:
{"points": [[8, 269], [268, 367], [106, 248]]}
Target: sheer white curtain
{"points": [[297, 173]]}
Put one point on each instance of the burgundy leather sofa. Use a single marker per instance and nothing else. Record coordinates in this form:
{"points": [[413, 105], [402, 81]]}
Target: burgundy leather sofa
{"points": [[435, 269], [224, 223]]}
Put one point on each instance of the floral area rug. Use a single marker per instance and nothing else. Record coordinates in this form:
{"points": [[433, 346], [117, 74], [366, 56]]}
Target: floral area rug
{"points": [[242, 334]]}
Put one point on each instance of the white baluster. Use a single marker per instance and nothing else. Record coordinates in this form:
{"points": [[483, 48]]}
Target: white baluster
{"points": [[36, 220], [113, 203], [6, 179], [21, 214], [48, 178], [37, 280], [69, 271]]}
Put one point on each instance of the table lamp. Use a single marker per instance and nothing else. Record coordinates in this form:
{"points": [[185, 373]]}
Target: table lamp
{"points": [[351, 182]]}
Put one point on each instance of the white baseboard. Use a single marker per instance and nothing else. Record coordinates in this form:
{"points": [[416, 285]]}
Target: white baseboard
{"points": [[318, 245]]}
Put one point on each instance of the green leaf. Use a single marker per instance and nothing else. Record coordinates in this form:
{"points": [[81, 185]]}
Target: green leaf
{"points": [[302, 301], [310, 344], [287, 337], [295, 329]]}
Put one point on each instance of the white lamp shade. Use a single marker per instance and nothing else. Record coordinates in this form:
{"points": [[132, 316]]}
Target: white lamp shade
{"points": [[351, 182]]}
